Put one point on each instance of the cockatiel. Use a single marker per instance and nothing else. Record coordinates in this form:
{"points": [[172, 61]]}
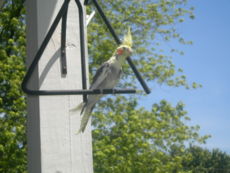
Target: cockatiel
{"points": [[106, 77]]}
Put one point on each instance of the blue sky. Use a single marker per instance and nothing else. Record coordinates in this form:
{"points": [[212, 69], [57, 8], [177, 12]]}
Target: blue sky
{"points": [[207, 62]]}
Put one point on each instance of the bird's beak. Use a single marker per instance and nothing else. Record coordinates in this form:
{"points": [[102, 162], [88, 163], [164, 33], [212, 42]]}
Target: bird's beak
{"points": [[130, 51]]}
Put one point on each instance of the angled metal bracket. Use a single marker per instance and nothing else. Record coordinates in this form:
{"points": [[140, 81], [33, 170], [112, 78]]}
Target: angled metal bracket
{"points": [[89, 17], [62, 14]]}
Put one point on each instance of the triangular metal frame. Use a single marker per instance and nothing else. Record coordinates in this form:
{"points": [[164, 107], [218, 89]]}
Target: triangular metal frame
{"points": [[62, 14]]}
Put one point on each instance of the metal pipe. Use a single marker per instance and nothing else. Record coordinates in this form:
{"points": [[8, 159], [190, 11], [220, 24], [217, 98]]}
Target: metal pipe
{"points": [[63, 43], [82, 43], [80, 92]]}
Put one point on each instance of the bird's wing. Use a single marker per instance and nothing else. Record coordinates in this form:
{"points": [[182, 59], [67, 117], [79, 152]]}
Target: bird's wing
{"points": [[100, 75]]}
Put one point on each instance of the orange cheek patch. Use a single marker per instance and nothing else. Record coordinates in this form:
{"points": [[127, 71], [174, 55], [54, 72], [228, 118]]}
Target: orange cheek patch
{"points": [[119, 51]]}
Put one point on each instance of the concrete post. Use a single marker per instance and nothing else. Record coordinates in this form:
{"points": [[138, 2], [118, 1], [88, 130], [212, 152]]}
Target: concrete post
{"points": [[53, 146]]}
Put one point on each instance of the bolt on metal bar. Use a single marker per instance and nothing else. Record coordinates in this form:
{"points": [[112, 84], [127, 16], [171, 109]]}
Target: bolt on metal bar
{"points": [[106, 21]]}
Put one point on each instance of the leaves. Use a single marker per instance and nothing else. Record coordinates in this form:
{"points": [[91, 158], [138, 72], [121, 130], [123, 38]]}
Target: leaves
{"points": [[203, 160], [131, 139], [12, 102]]}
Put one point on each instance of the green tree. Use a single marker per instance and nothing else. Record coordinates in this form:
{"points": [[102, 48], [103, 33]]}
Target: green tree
{"points": [[12, 101], [206, 161], [134, 140]]}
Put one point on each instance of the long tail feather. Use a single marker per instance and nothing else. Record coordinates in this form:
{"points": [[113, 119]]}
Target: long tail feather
{"points": [[77, 108], [85, 118]]}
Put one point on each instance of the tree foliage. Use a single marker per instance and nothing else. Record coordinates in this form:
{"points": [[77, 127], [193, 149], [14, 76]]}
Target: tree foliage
{"points": [[134, 140], [206, 161], [12, 101]]}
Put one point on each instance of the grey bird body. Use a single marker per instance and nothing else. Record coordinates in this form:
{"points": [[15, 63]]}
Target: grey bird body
{"points": [[106, 77]]}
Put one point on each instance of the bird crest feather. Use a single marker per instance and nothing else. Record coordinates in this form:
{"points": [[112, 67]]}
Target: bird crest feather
{"points": [[128, 41]]}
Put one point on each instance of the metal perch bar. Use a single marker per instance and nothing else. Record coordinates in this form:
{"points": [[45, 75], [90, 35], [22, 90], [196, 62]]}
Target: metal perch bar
{"points": [[82, 41], [80, 92]]}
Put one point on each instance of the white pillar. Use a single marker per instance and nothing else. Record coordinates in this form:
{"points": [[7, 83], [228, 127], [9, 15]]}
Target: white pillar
{"points": [[53, 146]]}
